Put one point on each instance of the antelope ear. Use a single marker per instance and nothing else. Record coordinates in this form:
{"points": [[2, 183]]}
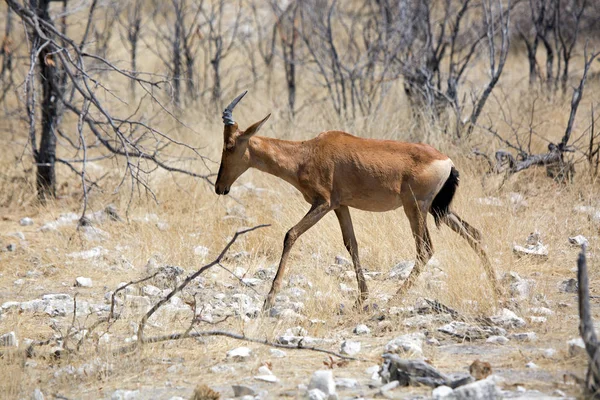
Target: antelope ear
{"points": [[252, 129]]}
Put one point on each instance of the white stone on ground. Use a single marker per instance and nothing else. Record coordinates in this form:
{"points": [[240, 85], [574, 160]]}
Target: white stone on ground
{"points": [[322, 380], [83, 282]]}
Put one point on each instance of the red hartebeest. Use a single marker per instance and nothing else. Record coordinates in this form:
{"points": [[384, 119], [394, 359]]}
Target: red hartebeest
{"points": [[336, 170]]}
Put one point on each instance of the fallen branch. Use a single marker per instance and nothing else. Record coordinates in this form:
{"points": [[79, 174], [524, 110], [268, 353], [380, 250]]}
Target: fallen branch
{"points": [[178, 336], [187, 280]]}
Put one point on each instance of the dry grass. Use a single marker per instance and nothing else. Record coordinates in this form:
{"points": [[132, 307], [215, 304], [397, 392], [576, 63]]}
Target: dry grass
{"points": [[196, 216]]}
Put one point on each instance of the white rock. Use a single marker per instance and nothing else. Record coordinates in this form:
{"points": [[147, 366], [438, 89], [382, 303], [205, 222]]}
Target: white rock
{"points": [[497, 339], [340, 260], [239, 354], [88, 254], [538, 320], [26, 222], [83, 282], [278, 353], [264, 370], [549, 353], [151, 291], [490, 201], [531, 365], [37, 394], [442, 392], [538, 250], [126, 395], [9, 340], [316, 394], [201, 251], [350, 347], [508, 319], [346, 383], [322, 380], [267, 378], [484, 389], [252, 281], [576, 347], [401, 270], [411, 343], [569, 286], [524, 336], [222, 369], [361, 329], [578, 240], [541, 311], [243, 390]]}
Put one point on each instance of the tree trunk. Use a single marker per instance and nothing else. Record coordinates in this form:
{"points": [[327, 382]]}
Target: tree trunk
{"points": [[45, 156]]}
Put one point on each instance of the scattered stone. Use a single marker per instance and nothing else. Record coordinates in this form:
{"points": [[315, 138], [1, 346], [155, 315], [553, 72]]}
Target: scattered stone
{"points": [[538, 251], [484, 389], [531, 365], [442, 392], [541, 311], [340, 260], [9, 340], [64, 219], [323, 380], [538, 320], [462, 330], [389, 386], [243, 390], [222, 369], [89, 254], [346, 383], [126, 395], [278, 353], [508, 319], [251, 281], [19, 282], [151, 291], [37, 394], [524, 336], [549, 353], [401, 270], [559, 393], [593, 213], [83, 282], [579, 240], [201, 251], [576, 347], [19, 235], [480, 369], [350, 347], [361, 330], [490, 201], [497, 339], [11, 247], [26, 222], [316, 394], [569, 286], [518, 287], [411, 343], [93, 234], [267, 378], [239, 354]]}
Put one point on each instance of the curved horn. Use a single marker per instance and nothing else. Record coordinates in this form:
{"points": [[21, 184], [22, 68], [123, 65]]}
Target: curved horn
{"points": [[227, 118]]}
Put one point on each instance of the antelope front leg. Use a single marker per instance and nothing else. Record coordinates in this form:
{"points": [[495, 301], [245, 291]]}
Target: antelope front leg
{"points": [[313, 216], [343, 214]]}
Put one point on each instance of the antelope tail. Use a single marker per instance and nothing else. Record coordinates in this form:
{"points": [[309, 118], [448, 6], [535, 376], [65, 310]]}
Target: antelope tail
{"points": [[440, 206]]}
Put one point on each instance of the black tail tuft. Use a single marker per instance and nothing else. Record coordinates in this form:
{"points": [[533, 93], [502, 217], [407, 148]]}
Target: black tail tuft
{"points": [[441, 203]]}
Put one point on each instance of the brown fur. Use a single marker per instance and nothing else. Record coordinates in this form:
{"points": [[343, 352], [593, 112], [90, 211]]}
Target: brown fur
{"points": [[335, 171]]}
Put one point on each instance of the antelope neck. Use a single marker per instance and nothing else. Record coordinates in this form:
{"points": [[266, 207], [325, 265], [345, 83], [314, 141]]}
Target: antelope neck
{"points": [[276, 157]]}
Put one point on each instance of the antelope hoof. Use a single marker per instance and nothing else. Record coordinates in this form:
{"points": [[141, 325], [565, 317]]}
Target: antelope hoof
{"points": [[268, 305]]}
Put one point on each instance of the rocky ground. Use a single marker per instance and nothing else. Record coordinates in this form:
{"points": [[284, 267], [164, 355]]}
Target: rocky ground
{"points": [[76, 338]]}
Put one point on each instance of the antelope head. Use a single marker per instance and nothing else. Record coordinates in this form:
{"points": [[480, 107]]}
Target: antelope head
{"points": [[235, 159]]}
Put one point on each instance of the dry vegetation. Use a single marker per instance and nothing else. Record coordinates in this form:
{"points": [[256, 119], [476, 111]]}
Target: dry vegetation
{"points": [[183, 212]]}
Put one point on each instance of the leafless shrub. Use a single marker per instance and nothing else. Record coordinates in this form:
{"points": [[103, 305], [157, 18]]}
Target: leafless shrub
{"points": [[69, 86]]}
